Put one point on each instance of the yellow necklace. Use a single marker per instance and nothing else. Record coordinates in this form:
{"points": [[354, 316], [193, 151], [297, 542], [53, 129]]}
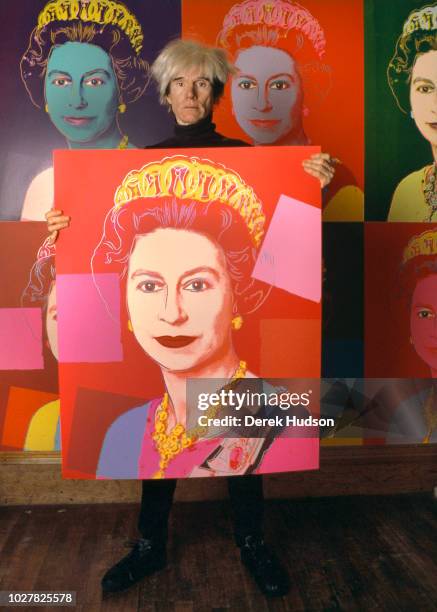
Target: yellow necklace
{"points": [[429, 188], [123, 142], [171, 444]]}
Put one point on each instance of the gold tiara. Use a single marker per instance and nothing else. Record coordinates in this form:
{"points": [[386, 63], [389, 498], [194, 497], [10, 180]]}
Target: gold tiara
{"points": [[102, 12], [423, 244], [281, 14], [424, 19], [192, 178]]}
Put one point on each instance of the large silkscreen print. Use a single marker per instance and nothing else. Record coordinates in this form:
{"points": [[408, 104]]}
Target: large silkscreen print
{"points": [[401, 127], [298, 80], [204, 265], [401, 340], [29, 402], [75, 74]]}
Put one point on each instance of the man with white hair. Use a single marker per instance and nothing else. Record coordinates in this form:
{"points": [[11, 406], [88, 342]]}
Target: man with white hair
{"points": [[191, 79]]}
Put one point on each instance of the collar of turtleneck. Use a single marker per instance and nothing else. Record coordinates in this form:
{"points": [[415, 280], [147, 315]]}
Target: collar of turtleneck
{"points": [[202, 128]]}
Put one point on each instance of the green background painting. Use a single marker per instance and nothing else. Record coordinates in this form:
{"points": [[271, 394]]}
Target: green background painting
{"points": [[394, 146]]}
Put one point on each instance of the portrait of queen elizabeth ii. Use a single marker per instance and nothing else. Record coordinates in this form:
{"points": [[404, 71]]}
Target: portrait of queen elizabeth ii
{"points": [[289, 82], [412, 76], [29, 408], [415, 420], [77, 78], [83, 65], [401, 107], [402, 327], [182, 239]]}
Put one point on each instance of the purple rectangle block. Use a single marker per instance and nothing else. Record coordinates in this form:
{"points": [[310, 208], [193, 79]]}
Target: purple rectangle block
{"points": [[291, 255], [88, 318], [21, 339]]}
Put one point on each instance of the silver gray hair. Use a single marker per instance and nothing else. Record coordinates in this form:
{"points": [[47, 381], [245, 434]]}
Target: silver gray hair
{"points": [[180, 55]]}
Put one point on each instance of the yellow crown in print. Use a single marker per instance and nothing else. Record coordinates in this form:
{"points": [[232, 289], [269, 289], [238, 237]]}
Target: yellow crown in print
{"points": [[102, 12], [192, 178], [423, 244], [423, 19], [280, 14]]}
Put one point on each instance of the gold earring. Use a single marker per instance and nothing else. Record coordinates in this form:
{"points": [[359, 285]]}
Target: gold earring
{"points": [[237, 322], [122, 108], [46, 108], [129, 326]]}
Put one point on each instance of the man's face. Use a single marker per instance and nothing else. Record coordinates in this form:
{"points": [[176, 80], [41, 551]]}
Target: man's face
{"points": [[190, 96]]}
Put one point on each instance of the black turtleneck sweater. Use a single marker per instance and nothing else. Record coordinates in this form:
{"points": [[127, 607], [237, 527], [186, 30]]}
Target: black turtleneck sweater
{"points": [[200, 134]]}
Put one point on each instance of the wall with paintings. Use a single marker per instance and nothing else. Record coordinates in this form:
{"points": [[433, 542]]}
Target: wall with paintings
{"points": [[356, 77]]}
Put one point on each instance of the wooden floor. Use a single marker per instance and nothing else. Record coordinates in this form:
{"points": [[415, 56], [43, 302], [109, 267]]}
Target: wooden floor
{"points": [[351, 553]]}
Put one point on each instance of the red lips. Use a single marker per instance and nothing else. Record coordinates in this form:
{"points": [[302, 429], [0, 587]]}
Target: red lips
{"points": [[175, 341], [265, 124], [78, 121]]}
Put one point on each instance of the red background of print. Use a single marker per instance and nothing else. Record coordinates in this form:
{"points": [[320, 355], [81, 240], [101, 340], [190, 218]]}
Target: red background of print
{"points": [[85, 183]]}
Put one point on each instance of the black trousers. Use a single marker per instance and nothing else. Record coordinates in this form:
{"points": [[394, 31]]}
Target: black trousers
{"points": [[245, 494]]}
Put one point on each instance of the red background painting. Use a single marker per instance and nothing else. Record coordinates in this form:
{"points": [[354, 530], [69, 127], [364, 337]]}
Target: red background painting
{"points": [[336, 122], [388, 352], [22, 392], [85, 183]]}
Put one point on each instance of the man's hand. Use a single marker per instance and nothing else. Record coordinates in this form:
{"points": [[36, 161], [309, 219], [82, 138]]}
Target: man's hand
{"points": [[56, 221], [322, 166]]}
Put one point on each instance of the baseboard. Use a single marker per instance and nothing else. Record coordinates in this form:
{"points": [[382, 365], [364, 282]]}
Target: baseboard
{"points": [[35, 478]]}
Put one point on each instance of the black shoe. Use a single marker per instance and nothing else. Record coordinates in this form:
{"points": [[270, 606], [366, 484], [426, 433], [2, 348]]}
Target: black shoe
{"points": [[268, 573], [145, 558]]}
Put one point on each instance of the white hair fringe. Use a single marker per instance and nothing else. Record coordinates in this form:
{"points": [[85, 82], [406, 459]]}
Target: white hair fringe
{"points": [[179, 55]]}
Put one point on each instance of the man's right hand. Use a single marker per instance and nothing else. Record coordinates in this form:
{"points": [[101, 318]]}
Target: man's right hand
{"points": [[56, 221]]}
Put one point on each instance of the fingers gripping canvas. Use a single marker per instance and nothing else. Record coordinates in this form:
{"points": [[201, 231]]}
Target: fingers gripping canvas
{"points": [[157, 290]]}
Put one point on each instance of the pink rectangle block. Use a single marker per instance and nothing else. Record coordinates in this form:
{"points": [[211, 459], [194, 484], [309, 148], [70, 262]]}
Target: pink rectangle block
{"points": [[21, 339], [88, 318], [291, 255]]}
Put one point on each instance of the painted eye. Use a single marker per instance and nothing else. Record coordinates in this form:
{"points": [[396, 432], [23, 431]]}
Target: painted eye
{"points": [[61, 82], [149, 286], [280, 85], [197, 285], [246, 84], [94, 82], [425, 313]]}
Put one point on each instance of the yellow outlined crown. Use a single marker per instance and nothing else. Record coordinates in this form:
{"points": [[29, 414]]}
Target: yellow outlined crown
{"points": [[102, 12], [423, 244], [195, 179], [424, 19]]}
